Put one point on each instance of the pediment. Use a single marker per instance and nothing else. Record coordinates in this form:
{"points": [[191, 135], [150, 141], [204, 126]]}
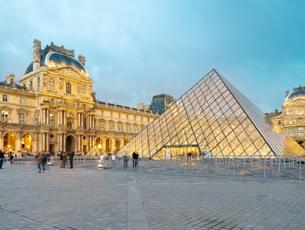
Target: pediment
{"points": [[70, 72]]}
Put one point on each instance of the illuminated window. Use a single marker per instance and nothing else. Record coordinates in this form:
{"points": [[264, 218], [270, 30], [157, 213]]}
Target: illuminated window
{"points": [[52, 120]]}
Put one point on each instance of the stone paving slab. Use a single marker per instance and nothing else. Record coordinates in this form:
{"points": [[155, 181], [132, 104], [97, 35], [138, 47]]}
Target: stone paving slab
{"points": [[91, 198]]}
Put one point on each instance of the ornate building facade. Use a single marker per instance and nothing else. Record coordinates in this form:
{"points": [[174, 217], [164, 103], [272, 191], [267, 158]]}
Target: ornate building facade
{"points": [[54, 109], [291, 120]]}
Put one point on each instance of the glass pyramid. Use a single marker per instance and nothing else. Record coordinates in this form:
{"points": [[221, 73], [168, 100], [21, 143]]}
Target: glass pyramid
{"points": [[213, 118]]}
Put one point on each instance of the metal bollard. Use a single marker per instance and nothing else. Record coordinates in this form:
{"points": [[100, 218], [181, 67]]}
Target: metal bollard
{"points": [[300, 163]]}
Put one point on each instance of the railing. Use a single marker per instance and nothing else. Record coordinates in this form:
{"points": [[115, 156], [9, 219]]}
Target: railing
{"points": [[290, 168], [285, 168]]}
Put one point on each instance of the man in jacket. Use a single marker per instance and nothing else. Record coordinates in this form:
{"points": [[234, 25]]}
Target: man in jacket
{"points": [[1, 158]]}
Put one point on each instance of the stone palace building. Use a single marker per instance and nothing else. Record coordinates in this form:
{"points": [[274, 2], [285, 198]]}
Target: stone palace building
{"points": [[291, 121], [54, 109]]}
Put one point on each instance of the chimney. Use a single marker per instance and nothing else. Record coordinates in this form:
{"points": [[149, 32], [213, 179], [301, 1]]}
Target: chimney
{"points": [[36, 54], [82, 60]]}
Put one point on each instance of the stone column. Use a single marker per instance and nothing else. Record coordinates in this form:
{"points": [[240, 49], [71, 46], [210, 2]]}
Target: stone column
{"points": [[1, 140], [18, 141], [64, 142], [78, 141], [34, 143], [113, 145], [47, 116], [47, 142]]}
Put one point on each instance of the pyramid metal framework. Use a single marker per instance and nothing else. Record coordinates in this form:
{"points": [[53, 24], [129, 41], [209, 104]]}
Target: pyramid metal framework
{"points": [[212, 117]]}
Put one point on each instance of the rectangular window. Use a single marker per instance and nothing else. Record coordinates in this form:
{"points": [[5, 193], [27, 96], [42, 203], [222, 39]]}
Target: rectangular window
{"points": [[21, 118], [4, 116], [22, 100], [4, 98]]}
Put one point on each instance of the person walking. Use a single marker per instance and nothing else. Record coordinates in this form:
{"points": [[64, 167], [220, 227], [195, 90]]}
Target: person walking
{"points": [[1, 159], [71, 158], [64, 159], [44, 160], [11, 157], [61, 159], [113, 160], [39, 162], [134, 159], [125, 160]]}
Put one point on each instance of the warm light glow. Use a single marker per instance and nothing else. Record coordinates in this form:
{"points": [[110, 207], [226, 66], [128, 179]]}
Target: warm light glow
{"points": [[99, 146]]}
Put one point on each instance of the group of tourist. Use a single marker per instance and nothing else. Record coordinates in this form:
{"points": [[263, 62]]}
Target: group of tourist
{"points": [[135, 160], [63, 157], [43, 159]]}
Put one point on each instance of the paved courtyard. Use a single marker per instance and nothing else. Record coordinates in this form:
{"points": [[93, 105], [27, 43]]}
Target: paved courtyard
{"points": [[90, 198]]}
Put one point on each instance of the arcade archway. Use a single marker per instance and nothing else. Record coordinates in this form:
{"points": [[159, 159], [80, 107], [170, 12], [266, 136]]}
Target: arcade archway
{"points": [[26, 142], [70, 143], [9, 142]]}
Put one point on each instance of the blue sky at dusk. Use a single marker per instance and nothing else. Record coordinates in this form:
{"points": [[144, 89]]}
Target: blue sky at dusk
{"points": [[135, 49]]}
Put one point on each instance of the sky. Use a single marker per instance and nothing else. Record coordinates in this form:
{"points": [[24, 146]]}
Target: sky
{"points": [[138, 48]]}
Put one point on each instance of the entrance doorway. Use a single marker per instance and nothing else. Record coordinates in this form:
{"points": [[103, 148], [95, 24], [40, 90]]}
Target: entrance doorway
{"points": [[70, 144], [85, 149], [52, 149], [178, 152]]}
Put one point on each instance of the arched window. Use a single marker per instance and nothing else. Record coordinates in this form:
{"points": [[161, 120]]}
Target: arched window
{"points": [[70, 121], [110, 125], [51, 85], [135, 128], [127, 128], [68, 88], [120, 126]]}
